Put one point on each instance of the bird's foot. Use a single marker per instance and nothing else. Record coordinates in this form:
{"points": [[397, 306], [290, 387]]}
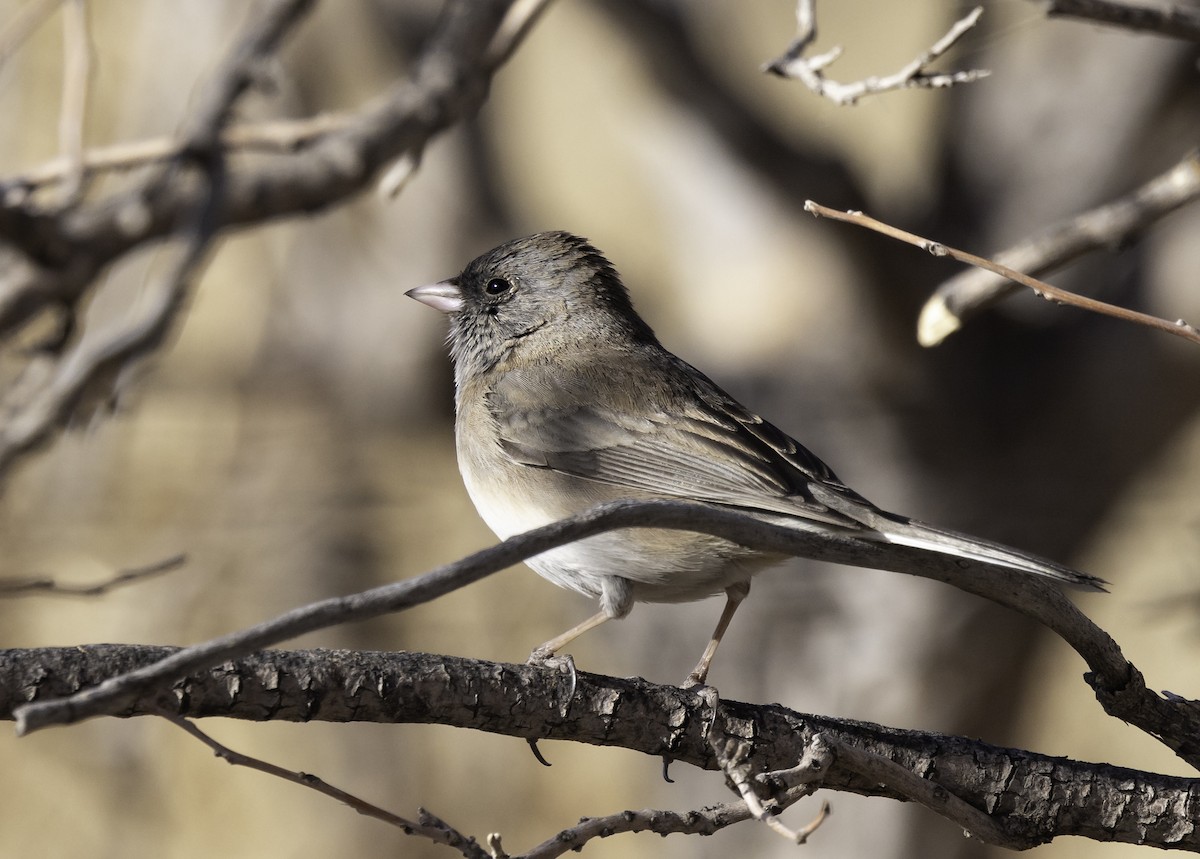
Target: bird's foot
{"points": [[563, 664]]}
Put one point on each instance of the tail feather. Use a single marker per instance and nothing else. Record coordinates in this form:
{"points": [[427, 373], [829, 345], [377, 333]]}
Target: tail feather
{"points": [[901, 531]]}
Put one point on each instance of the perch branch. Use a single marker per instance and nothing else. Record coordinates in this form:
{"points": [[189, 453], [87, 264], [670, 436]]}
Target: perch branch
{"points": [[1119, 687], [1091, 800]]}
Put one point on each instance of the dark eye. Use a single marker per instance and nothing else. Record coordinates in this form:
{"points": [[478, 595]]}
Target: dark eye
{"points": [[497, 286]]}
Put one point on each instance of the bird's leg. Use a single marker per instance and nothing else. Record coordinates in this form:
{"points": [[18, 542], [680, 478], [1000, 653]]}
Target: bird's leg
{"points": [[734, 594], [544, 651], [543, 654]]}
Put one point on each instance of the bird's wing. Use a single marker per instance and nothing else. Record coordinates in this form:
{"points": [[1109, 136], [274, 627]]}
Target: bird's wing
{"points": [[676, 437]]}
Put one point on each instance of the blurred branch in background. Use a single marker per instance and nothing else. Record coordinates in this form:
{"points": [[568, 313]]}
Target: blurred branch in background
{"points": [[1178, 20], [916, 75], [52, 258], [1043, 290], [36, 585], [87, 372], [283, 496], [1109, 226]]}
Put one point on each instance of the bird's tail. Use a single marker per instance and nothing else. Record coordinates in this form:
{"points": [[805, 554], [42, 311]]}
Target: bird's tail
{"points": [[901, 531]]}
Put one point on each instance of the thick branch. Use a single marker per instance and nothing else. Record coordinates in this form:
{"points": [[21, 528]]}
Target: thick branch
{"points": [[1119, 686], [1032, 797]]}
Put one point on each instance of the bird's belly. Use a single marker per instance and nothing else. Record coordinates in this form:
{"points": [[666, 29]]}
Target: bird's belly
{"points": [[662, 565]]}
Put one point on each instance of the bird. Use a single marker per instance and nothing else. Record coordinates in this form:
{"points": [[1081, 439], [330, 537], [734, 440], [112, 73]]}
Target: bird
{"points": [[565, 399]]}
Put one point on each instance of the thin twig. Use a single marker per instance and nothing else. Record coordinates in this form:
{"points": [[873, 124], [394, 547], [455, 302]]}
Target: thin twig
{"points": [[1177, 20], [77, 73], [427, 825], [274, 136], [810, 70], [1107, 226], [733, 756], [44, 585], [1044, 290]]}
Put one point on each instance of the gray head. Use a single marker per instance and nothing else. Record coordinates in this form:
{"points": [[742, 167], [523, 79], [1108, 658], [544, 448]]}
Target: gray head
{"points": [[550, 289]]}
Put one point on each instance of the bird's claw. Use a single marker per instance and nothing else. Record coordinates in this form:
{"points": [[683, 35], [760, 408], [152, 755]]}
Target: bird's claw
{"points": [[562, 663]]}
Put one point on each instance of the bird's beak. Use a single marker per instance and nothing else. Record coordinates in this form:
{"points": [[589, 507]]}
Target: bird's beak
{"points": [[444, 296]]}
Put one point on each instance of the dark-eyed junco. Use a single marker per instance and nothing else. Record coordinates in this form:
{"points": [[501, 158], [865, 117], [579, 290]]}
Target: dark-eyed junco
{"points": [[566, 400]]}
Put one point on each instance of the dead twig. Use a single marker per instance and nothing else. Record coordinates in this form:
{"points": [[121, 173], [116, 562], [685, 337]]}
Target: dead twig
{"points": [[20, 27], [427, 825], [46, 585], [1044, 290], [1107, 226], [793, 64]]}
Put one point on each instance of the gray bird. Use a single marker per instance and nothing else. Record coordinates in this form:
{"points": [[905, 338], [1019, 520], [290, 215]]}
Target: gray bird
{"points": [[565, 399]]}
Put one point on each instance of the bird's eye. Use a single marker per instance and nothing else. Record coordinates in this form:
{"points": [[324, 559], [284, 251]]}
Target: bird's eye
{"points": [[497, 286]]}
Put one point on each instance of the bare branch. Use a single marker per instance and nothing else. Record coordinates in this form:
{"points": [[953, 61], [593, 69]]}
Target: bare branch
{"points": [[517, 22], [431, 827], [1092, 800], [277, 136], [928, 793], [1164, 19], [45, 585], [1043, 290], [51, 259], [1107, 226], [94, 363], [916, 75], [734, 756], [1119, 686]]}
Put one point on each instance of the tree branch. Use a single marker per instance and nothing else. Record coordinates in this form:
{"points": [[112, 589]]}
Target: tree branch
{"points": [[1119, 686], [1108, 226], [810, 70], [1032, 797], [1163, 19], [45, 585], [90, 369], [1179, 327], [428, 826], [50, 258]]}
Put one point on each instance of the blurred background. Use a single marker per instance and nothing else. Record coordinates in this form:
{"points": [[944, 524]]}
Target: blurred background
{"points": [[295, 439]]}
